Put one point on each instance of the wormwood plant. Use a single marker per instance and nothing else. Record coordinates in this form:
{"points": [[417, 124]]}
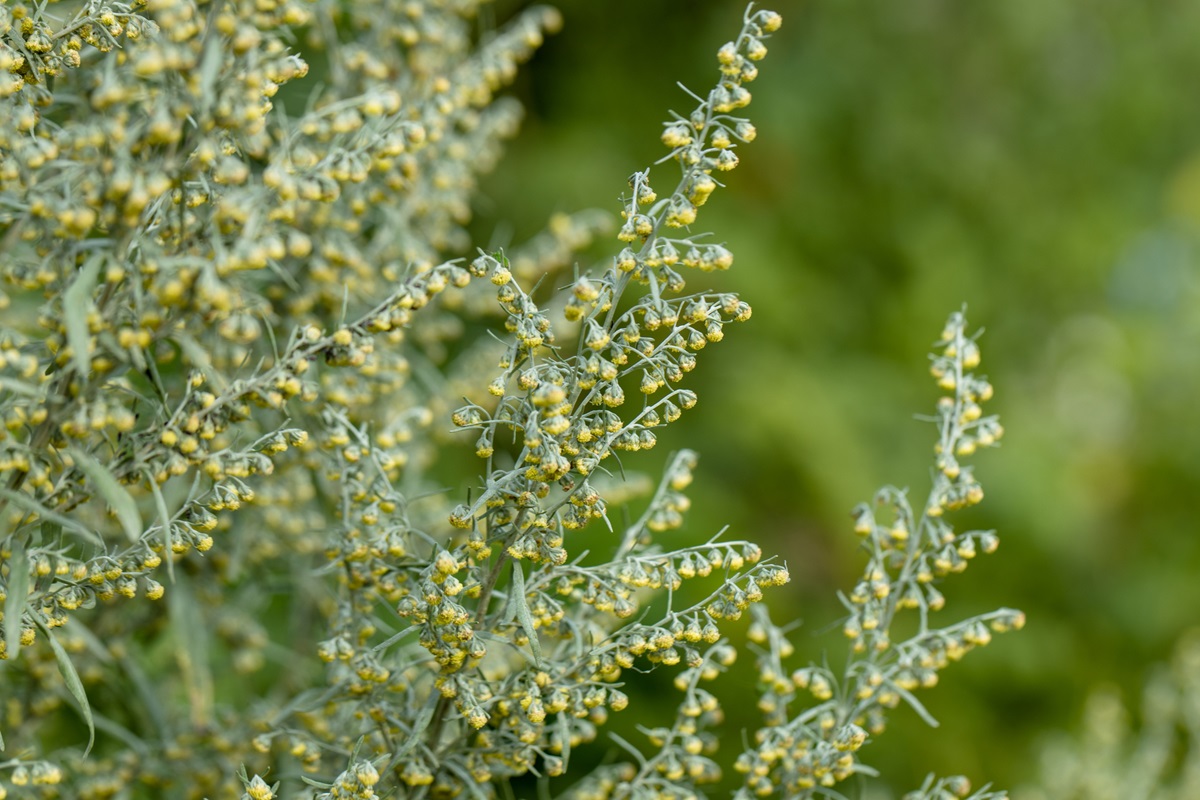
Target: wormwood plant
{"points": [[237, 313]]}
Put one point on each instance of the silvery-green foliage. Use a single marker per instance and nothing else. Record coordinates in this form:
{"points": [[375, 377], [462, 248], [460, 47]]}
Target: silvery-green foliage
{"points": [[237, 306], [910, 548]]}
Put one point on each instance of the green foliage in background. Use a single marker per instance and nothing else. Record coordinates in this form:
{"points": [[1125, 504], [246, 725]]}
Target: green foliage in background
{"points": [[1155, 756]]}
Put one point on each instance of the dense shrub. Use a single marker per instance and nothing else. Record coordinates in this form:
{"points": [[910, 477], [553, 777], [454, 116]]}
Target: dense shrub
{"points": [[240, 315]]}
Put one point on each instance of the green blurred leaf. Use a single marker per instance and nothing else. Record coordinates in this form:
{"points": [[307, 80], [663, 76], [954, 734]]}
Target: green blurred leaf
{"points": [[306, 700], [77, 301], [164, 519], [917, 706], [113, 493], [523, 614], [22, 500], [145, 690], [17, 599], [191, 650], [74, 685], [468, 781], [419, 726], [10, 384], [48, 532]]}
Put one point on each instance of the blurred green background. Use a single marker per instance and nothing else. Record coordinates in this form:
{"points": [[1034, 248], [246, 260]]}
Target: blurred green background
{"points": [[1038, 160]]}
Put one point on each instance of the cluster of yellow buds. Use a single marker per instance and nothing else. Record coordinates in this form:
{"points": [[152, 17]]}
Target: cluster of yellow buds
{"points": [[555, 418]]}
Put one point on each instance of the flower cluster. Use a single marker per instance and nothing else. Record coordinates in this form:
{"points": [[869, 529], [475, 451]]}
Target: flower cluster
{"points": [[804, 751], [211, 265], [512, 644]]}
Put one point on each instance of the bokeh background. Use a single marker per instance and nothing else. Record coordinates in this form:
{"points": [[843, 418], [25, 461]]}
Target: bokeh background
{"points": [[1038, 161]]}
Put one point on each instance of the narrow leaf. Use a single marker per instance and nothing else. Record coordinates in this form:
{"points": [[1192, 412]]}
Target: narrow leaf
{"points": [[121, 732], [113, 493], [305, 701], [468, 781], [637, 754], [564, 732], [419, 726], [71, 677], [315, 783], [523, 615], [391, 640], [922, 712], [210, 67], [145, 691], [31, 506], [77, 302], [15, 386], [164, 519], [49, 532], [191, 650], [18, 597]]}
